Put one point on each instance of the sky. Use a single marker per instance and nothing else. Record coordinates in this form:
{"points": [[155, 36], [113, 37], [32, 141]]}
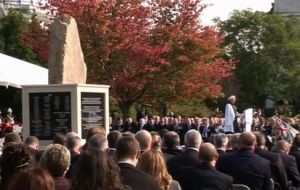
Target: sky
{"points": [[223, 8]]}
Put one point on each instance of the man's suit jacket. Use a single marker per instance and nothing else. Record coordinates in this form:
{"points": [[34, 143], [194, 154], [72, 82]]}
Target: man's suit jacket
{"points": [[295, 151], [291, 169], [209, 130], [277, 168], [188, 158], [246, 168], [170, 153], [137, 179], [204, 176]]}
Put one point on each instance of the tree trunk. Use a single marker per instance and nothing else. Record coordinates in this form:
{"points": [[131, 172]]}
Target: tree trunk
{"points": [[125, 107], [165, 108]]}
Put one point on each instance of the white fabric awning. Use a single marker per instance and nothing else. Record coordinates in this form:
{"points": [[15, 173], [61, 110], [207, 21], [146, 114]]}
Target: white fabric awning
{"points": [[15, 72]]}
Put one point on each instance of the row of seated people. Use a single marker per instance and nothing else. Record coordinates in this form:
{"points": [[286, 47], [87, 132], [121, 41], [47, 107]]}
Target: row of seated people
{"points": [[206, 126], [149, 161], [156, 123]]}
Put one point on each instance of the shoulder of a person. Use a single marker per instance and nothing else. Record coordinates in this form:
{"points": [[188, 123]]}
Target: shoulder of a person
{"points": [[228, 155], [225, 176], [175, 185], [290, 157], [175, 158]]}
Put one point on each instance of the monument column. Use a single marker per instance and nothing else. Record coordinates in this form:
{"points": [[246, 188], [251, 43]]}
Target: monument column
{"points": [[67, 103]]}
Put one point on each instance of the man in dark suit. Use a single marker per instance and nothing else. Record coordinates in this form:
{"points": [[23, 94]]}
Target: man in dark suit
{"points": [[144, 138], [128, 125], [113, 137], [245, 166], [149, 126], [277, 168], [221, 142], [140, 126], [204, 175], [127, 153], [283, 147], [206, 130], [295, 150], [189, 157], [170, 145]]}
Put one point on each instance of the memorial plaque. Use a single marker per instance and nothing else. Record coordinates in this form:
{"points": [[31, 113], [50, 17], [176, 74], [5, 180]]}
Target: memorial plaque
{"points": [[49, 113], [92, 111]]}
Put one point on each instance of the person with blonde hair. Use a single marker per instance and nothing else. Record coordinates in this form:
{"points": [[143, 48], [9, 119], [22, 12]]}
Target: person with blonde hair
{"points": [[153, 163], [56, 160]]}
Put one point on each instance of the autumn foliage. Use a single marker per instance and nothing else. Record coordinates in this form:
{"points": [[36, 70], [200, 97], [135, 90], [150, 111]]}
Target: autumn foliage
{"points": [[36, 37], [154, 50]]}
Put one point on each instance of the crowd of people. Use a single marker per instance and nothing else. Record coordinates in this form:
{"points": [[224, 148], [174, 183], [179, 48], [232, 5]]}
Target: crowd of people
{"points": [[150, 160], [159, 153], [275, 127]]}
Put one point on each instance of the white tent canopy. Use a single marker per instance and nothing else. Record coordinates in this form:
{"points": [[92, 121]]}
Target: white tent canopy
{"points": [[15, 72]]}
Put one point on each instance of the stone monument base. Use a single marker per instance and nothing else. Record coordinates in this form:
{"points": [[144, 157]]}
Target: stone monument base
{"points": [[62, 108]]}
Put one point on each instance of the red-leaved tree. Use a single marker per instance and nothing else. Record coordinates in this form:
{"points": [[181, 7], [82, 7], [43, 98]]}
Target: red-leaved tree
{"points": [[155, 50]]}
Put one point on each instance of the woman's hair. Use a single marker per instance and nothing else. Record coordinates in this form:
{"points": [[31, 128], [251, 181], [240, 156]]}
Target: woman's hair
{"points": [[31, 179], [15, 158], [152, 163], [56, 159], [94, 170]]}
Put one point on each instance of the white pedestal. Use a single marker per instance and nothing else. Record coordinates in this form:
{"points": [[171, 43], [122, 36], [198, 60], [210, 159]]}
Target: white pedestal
{"points": [[61, 108]]}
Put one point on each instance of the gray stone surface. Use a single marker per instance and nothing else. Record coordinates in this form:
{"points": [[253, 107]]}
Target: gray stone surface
{"points": [[287, 7], [66, 62]]}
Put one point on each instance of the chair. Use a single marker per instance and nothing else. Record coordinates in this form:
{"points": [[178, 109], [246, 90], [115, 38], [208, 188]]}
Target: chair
{"points": [[240, 187]]}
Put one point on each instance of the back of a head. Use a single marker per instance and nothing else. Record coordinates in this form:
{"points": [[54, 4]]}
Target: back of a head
{"points": [[93, 170], [145, 139], [59, 138], [98, 142], [14, 158], [73, 142], [113, 138], [156, 141], [282, 146], [193, 139], [31, 140], [208, 153], [221, 140], [128, 134], [12, 138], [93, 131], [56, 160], [247, 140], [153, 163], [260, 139], [127, 148], [71, 134], [163, 132], [33, 178], [233, 140], [171, 140]]}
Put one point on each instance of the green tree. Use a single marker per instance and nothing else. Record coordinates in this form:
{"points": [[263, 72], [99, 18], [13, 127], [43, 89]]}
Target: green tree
{"points": [[11, 27], [267, 50]]}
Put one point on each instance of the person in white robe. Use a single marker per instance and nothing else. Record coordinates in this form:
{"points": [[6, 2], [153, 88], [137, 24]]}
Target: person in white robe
{"points": [[230, 115]]}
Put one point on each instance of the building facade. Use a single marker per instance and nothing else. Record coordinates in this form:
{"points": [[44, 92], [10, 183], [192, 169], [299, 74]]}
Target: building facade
{"points": [[287, 7]]}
